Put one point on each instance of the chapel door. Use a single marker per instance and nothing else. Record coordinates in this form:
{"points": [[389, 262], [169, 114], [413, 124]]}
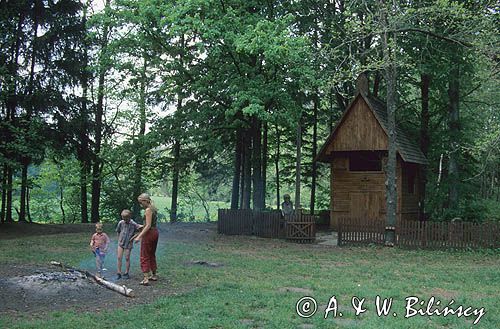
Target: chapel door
{"points": [[366, 204]]}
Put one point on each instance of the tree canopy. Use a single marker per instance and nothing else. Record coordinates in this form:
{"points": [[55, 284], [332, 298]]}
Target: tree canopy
{"points": [[226, 103]]}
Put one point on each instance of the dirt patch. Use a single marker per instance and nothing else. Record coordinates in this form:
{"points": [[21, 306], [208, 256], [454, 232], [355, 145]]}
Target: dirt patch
{"points": [[48, 283], [36, 294], [188, 232], [83, 295], [48, 291], [443, 294], [306, 326], [246, 322], [177, 231], [331, 265], [249, 323], [39, 290], [17, 230], [204, 263], [296, 289]]}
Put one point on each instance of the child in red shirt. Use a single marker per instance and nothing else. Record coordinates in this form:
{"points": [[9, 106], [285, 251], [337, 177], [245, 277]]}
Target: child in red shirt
{"points": [[99, 244]]}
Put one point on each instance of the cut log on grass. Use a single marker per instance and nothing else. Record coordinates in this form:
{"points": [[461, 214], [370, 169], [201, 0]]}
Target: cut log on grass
{"points": [[110, 285], [115, 287]]}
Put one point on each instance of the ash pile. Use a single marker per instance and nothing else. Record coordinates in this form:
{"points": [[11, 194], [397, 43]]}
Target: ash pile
{"points": [[49, 290], [51, 282]]}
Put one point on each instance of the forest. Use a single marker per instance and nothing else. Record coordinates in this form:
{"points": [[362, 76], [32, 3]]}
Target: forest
{"points": [[212, 104]]}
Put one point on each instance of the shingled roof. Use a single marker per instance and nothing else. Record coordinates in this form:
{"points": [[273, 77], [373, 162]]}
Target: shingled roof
{"points": [[408, 150]]}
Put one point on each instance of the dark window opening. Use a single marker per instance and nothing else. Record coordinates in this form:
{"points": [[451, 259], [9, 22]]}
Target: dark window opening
{"points": [[365, 162]]}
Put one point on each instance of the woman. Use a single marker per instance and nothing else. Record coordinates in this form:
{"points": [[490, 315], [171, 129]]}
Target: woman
{"points": [[148, 238]]}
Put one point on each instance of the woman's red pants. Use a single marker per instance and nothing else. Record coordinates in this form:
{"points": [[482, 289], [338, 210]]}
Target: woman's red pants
{"points": [[148, 249]]}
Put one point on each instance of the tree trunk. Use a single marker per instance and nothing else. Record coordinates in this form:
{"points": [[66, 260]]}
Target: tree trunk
{"points": [[8, 211], [277, 167], [29, 109], [11, 105], [235, 191], [425, 80], [242, 174], [175, 181], [83, 151], [83, 190], [61, 203], [177, 145], [482, 188], [498, 183], [247, 191], [97, 165], [139, 144], [376, 84], [205, 205], [454, 128], [330, 116], [257, 164], [297, 166], [491, 191], [12, 97], [264, 165], [314, 151], [4, 193], [391, 192], [392, 197], [24, 187], [28, 204], [315, 127]]}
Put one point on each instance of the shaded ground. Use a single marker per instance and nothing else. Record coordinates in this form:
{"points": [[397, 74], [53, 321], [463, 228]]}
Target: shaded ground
{"points": [[35, 297], [17, 230], [27, 289], [215, 281]]}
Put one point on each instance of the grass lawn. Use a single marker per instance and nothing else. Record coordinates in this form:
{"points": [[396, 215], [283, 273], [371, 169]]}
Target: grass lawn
{"points": [[262, 279]]}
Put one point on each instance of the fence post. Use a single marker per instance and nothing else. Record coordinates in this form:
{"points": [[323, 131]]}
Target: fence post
{"points": [[339, 232], [218, 221]]}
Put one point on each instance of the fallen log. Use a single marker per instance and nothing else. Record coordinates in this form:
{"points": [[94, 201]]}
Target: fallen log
{"points": [[110, 285]]}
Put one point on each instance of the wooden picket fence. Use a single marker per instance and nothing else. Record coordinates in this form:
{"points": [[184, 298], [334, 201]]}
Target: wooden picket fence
{"points": [[414, 234], [232, 223], [267, 224], [360, 231], [448, 234]]}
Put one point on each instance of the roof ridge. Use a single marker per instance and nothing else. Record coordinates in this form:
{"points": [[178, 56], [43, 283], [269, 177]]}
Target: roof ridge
{"points": [[409, 151]]}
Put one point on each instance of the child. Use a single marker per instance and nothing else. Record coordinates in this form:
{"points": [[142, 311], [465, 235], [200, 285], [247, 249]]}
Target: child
{"points": [[125, 229], [286, 206], [99, 244]]}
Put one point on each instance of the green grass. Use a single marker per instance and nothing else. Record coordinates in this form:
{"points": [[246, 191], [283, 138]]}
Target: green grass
{"points": [[65, 247], [249, 291]]}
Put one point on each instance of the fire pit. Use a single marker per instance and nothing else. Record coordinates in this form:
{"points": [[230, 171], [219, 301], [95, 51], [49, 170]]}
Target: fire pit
{"points": [[44, 277], [41, 289], [50, 283]]}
